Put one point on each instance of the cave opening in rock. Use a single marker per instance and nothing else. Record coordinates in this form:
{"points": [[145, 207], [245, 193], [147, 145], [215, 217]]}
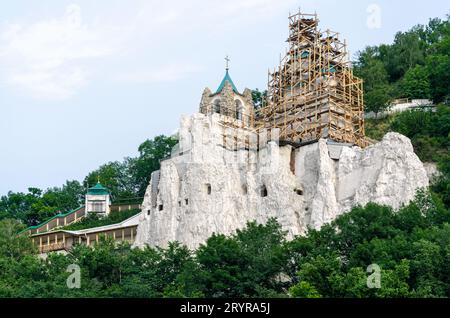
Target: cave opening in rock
{"points": [[263, 191], [292, 161]]}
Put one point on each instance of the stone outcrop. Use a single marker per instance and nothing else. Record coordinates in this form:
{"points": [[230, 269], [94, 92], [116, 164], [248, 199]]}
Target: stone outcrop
{"points": [[206, 187], [432, 171]]}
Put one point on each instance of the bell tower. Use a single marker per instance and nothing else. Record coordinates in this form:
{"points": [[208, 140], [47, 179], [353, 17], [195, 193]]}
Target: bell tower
{"points": [[227, 100]]}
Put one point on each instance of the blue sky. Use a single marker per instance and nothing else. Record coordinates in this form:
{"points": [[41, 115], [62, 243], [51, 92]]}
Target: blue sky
{"points": [[85, 82]]}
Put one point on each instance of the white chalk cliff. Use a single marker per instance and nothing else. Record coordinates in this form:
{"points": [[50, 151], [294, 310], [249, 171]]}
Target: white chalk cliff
{"points": [[205, 188]]}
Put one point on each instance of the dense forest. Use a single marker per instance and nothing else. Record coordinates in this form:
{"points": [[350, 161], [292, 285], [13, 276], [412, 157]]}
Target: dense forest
{"points": [[416, 65], [125, 180], [411, 246]]}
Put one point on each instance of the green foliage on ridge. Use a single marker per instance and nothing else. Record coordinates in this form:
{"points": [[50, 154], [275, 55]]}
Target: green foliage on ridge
{"points": [[411, 246], [126, 180], [416, 65], [428, 130]]}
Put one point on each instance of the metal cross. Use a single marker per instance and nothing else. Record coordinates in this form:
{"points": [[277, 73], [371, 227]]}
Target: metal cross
{"points": [[227, 59]]}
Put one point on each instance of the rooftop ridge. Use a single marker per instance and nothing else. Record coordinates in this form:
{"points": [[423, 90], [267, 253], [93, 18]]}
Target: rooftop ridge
{"points": [[227, 77]]}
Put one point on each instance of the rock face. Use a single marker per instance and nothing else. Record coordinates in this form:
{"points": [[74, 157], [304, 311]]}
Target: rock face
{"points": [[207, 186], [432, 171]]}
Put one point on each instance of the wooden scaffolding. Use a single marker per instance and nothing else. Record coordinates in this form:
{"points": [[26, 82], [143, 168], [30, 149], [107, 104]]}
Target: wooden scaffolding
{"points": [[313, 93]]}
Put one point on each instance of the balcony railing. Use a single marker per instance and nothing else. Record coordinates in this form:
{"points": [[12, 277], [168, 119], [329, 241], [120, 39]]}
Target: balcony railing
{"points": [[52, 247]]}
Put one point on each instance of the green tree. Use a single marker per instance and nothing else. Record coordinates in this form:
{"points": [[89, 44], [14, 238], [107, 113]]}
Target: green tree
{"points": [[427, 130], [303, 290], [442, 185], [415, 83], [407, 51], [259, 98], [262, 246], [12, 245], [37, 205], [69, 197], [246, 264], [220, 262], [415, 65], [18, 205], [317, 272], [378, 99], [438, 68], [114, 176], [151, 152], [376, 86], [394, 282], [411, 246], [371, 69]]}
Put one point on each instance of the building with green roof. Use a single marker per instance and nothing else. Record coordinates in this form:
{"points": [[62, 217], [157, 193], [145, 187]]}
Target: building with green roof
{"points": [[98, 200], [98, 189]]}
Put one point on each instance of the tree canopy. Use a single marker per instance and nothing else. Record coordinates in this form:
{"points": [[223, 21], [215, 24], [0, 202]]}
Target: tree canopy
{"points": [[415, 65], [126, 179], [410, 247]]}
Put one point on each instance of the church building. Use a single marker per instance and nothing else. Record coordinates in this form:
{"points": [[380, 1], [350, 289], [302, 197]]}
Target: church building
{"points": [[228, 101]]}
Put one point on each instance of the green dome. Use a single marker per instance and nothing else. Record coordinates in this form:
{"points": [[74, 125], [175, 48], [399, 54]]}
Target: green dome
{"points": [[98, 189]]}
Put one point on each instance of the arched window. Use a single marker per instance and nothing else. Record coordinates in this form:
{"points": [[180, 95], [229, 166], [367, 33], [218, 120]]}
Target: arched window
{"points": [[216, 107], [238, 109]]}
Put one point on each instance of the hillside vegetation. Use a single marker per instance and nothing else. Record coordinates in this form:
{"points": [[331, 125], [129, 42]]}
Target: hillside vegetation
{"points": [[415, 65], [411, 248], [126, 180], [430, 136], [428, 131]]}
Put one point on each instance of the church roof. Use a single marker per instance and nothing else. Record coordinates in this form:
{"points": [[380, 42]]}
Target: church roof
{"points": [[222, 84], [59, 215], [98, 189], [131, 221]]}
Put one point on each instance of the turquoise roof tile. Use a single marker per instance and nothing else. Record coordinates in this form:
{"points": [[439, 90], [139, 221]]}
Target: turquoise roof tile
{"points": [[98, 189], [222, 84]]}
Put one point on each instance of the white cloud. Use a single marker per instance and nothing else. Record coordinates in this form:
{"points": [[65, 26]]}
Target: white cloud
{"points": [[46, 58], [54, 58], [167, 73], [51, 83], [208, 14]]}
